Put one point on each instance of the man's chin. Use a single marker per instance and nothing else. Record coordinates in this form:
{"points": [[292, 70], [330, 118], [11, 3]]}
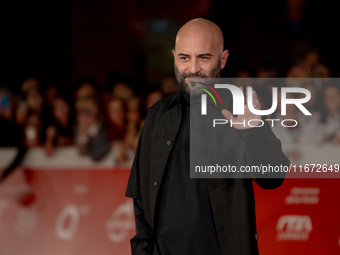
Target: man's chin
{"points": [[195, 91], [192, 90]]}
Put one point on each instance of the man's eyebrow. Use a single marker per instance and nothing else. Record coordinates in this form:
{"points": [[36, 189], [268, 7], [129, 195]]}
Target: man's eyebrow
{"points": [[205, 54], [183, 54], [200, 55]]}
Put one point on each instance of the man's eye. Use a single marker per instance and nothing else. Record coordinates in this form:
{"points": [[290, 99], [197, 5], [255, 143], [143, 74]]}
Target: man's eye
{"points": [[204, 58], [183, 58]]}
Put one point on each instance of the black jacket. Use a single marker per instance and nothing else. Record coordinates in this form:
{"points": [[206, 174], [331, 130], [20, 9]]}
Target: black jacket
{"points": [[232, 200]]}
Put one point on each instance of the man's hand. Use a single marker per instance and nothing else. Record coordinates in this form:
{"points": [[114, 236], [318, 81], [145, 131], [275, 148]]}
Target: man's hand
{"points": [[248, 115]]}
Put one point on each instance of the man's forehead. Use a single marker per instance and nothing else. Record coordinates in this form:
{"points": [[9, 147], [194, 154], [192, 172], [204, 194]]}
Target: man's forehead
{"points": [[195, 45]]}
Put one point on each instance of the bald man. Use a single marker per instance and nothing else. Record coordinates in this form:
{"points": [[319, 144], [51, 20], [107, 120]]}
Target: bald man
{"points": [[198, 52], [176, 214]]}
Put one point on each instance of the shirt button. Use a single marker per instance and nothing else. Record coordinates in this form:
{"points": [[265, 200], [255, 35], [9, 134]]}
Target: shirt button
{"points": [[168, 143], [155, 184]]}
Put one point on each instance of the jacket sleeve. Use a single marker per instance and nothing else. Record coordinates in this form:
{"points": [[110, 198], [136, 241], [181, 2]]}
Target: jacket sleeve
{"points": [[139, 215], [263, 149], [141, 242], [133, 186]]}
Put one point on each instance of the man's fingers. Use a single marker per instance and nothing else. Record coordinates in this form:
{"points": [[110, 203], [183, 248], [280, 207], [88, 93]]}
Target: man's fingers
{"points": [[228, 115], [256, 101], [254, 98], [241, 88]]}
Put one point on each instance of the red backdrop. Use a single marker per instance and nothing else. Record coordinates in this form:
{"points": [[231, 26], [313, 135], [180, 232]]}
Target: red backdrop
{"points": [[84, 211]]}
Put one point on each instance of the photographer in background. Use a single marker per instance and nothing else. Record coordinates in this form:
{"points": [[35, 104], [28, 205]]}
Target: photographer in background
{"points": [[91, 137], [11, 134]]}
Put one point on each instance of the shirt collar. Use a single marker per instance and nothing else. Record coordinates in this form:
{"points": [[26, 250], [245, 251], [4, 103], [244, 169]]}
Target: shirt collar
{"points": [[177, 99], [182, 97]]}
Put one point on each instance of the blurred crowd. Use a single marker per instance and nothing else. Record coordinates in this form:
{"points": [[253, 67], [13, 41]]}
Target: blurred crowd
{"points": [[93, 120], [323, 127], [299, 131]]}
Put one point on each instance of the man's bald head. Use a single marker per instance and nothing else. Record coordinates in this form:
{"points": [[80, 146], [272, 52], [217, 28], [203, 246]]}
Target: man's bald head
{"points": [[198, 53], [201, 30]]}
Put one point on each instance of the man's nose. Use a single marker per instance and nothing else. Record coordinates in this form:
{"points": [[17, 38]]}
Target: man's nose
{"points": [[194, 66]]}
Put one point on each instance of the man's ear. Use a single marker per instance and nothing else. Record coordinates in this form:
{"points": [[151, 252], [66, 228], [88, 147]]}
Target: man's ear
{"points": [[224, 57], [173, 52]]}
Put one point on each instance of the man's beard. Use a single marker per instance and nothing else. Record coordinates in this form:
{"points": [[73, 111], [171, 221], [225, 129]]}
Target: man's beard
{"points": [[190, 89]]}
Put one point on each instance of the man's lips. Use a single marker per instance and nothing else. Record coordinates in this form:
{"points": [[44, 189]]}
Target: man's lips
{"points": [[194, 81]]}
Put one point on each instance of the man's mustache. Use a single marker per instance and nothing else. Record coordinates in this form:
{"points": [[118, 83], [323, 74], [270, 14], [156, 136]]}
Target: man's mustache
{"points": [[194, 75]]}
